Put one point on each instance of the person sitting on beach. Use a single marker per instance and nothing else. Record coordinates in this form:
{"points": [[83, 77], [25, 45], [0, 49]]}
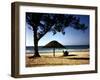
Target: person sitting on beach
{"points": [[65, 53]]}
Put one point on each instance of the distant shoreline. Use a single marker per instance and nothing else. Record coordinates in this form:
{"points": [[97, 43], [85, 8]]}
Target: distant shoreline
{"points": [[64, 45]]}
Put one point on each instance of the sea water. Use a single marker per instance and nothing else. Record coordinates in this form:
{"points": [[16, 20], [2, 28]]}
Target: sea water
{"points": [[69, 48]]}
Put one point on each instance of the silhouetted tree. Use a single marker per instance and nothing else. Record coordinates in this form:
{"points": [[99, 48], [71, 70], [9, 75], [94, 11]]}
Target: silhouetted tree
{"points": [[42, 23]]}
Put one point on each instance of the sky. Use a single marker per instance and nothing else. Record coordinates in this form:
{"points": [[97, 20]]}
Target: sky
{"points": [[71, 37]]}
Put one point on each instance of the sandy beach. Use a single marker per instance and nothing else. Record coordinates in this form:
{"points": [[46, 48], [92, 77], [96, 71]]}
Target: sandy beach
{"points": [[47, 59]]}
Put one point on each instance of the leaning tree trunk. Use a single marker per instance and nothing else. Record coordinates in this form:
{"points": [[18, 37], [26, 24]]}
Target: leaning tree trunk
{"points": [[36, 53]]}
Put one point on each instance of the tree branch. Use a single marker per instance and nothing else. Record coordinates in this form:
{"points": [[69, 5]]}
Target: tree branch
{"points": [[44, 33]]}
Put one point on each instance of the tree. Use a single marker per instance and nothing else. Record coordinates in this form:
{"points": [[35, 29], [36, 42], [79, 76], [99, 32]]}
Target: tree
{"points": [[41, 23]]}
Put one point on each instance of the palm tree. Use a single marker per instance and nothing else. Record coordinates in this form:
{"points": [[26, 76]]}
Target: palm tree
{"points": [[41, 23]]}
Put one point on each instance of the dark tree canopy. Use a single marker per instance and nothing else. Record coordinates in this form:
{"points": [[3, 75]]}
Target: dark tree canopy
{"points": [[45, 22]]}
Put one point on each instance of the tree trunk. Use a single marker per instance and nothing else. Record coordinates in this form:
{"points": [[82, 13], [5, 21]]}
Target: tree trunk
{"points": [[36, 53]]}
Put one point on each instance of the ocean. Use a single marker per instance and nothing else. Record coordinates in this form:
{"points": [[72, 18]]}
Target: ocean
{"points": [[69, 48]]}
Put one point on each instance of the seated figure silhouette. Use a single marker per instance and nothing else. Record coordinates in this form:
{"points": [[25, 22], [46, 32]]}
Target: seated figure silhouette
{"points": [[65, 53]]}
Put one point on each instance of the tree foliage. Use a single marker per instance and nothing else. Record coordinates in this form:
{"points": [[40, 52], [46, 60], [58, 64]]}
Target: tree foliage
{"points": [[44, 23]]}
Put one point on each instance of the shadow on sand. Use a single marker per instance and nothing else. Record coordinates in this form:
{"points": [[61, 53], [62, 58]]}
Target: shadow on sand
{"points": [[79, 58], [72, 55]]}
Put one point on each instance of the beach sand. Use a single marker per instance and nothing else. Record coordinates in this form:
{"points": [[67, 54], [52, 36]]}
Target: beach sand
{"points": [[47, 59]]}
